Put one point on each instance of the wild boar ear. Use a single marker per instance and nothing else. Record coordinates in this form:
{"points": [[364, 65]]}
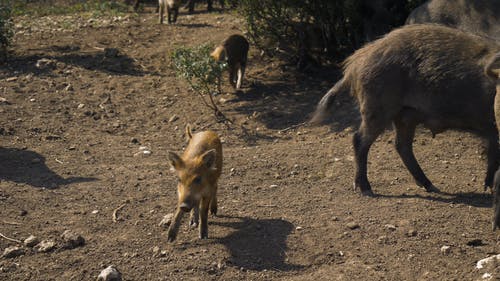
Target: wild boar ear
{"points": [[176, 162], [208, 159]]}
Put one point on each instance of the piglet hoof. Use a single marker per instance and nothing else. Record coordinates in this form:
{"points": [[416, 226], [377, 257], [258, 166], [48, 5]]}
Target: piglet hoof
{"points": [[432, 188], [193, 224], [365, 191], [171, 236], [213, 211]]}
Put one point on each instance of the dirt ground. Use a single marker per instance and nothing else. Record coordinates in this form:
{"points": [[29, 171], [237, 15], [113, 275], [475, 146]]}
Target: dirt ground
{"points": [[71, 130]]}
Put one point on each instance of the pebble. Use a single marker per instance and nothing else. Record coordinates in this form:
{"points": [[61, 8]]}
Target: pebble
{"points": [[390, 227], [411, 233], [273, 186], [45, 64], [110, 273], [352, 225], [45, 246], [72, 240], [166, 221], [173, 118], [299, 228], [12, 252], [31, 241], [445, 249], [487, 261]]}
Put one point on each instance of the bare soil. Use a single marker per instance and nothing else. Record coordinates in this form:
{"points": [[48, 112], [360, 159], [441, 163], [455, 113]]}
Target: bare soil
{"points": [[70, 130]]}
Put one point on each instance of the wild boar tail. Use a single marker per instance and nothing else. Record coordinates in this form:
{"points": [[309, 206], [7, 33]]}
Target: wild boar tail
{"points": [[189, 134], [492, 68], [342, 87]]}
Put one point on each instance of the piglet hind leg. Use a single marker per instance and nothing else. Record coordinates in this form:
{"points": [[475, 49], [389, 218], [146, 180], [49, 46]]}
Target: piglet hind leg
{"points": [[195, 215], [204, 218]]}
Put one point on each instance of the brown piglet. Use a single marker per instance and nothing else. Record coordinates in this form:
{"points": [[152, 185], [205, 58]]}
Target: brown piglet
{"points": [[198, 170], [235, 50]]}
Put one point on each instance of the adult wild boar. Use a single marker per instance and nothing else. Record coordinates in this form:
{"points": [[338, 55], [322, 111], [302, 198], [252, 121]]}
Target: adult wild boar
{"points": [[493, 71], [419, 74], [480, 17]]}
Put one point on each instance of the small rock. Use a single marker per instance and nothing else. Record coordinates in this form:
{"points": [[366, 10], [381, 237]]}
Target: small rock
{"points": [[411, 233], [134, 140], [69, 88], [10, 79], [72, 239], [31, 241], [81, 105], [488, 261], [110, 274], [4, 100], [383, 239], [12, 252], [390, 227], [273, 186], [445, 249], [45, 64], [299, 228], [45, 246], [95, 212], [173, 118], [23, 213], [156, 251], [166, 221], [352, 225]]}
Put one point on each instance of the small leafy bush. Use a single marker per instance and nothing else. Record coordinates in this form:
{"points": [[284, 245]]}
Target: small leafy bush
{"points": [[6, 28], [201, 71]]}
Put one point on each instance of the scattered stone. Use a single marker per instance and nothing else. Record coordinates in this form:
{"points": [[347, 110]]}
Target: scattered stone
{"points": [[166, 221], [69, 88], [10, 79], [110, 274], [45, 64], [12, 252], [156, 251], [81, 105], [72, 240], [299, 228], [411, 233], [488, 261], [31, 241], [95, 212], [4, 100], [445, 249], [383, 239], [23, 213], [173, 118], [134, 140], [352, 225], [390, 227], [273, 186], [45, 246]]}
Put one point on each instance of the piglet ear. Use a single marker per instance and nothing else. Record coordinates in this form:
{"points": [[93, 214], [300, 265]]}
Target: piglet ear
{"points": [[176, 162], [208, 159]]}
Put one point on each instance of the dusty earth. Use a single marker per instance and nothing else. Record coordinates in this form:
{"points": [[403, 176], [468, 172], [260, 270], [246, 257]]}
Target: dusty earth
{"points": [[71, 130]]}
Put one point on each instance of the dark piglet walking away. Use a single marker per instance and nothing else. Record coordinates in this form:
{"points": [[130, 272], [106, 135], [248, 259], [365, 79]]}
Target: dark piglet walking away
{"points": [[418, 74]]}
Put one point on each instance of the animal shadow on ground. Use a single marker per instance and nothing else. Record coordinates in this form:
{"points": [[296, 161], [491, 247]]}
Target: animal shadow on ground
{"points": [[25, 166], [480, 200], [258, 244], [109, 60], [291, 101]]}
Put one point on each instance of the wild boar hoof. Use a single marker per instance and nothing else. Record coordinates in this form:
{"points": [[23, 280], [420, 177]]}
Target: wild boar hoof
{"points": [[365, 191], [193, 224], [432, 188], [213, 211]]}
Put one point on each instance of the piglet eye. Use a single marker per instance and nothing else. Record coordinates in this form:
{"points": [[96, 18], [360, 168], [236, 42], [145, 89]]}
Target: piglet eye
{"points": [[197, 180]]}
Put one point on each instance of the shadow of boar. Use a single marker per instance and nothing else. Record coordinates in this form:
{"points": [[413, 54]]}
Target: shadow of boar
{"points": [[418, 74], [480, 17]]}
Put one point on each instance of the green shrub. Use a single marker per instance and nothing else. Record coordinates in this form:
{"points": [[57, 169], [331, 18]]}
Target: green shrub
{"points": [[6, 28], [320, 29], [201, 72]]}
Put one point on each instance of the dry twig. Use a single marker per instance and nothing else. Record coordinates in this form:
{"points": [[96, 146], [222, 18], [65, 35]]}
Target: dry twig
{"points": [[115, 212], [10, 239]]}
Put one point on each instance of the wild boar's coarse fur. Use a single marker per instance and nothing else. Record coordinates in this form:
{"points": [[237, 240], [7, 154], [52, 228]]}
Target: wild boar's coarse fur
{"points": [[235, 50], [172, 7], [419, 74], [493, 71], [198, 171], [480, 17]]}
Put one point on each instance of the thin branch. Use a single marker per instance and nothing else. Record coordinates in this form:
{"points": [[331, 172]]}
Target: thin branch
{"points": [[115, 212], [11, 239]]}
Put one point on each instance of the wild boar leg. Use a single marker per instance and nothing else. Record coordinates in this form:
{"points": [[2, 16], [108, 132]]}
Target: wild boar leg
{"points": [[362, 141], [496, 200], [204, 217], [213, 203], [405, 123], [174, 227], [195, 215], [492, 160]]}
